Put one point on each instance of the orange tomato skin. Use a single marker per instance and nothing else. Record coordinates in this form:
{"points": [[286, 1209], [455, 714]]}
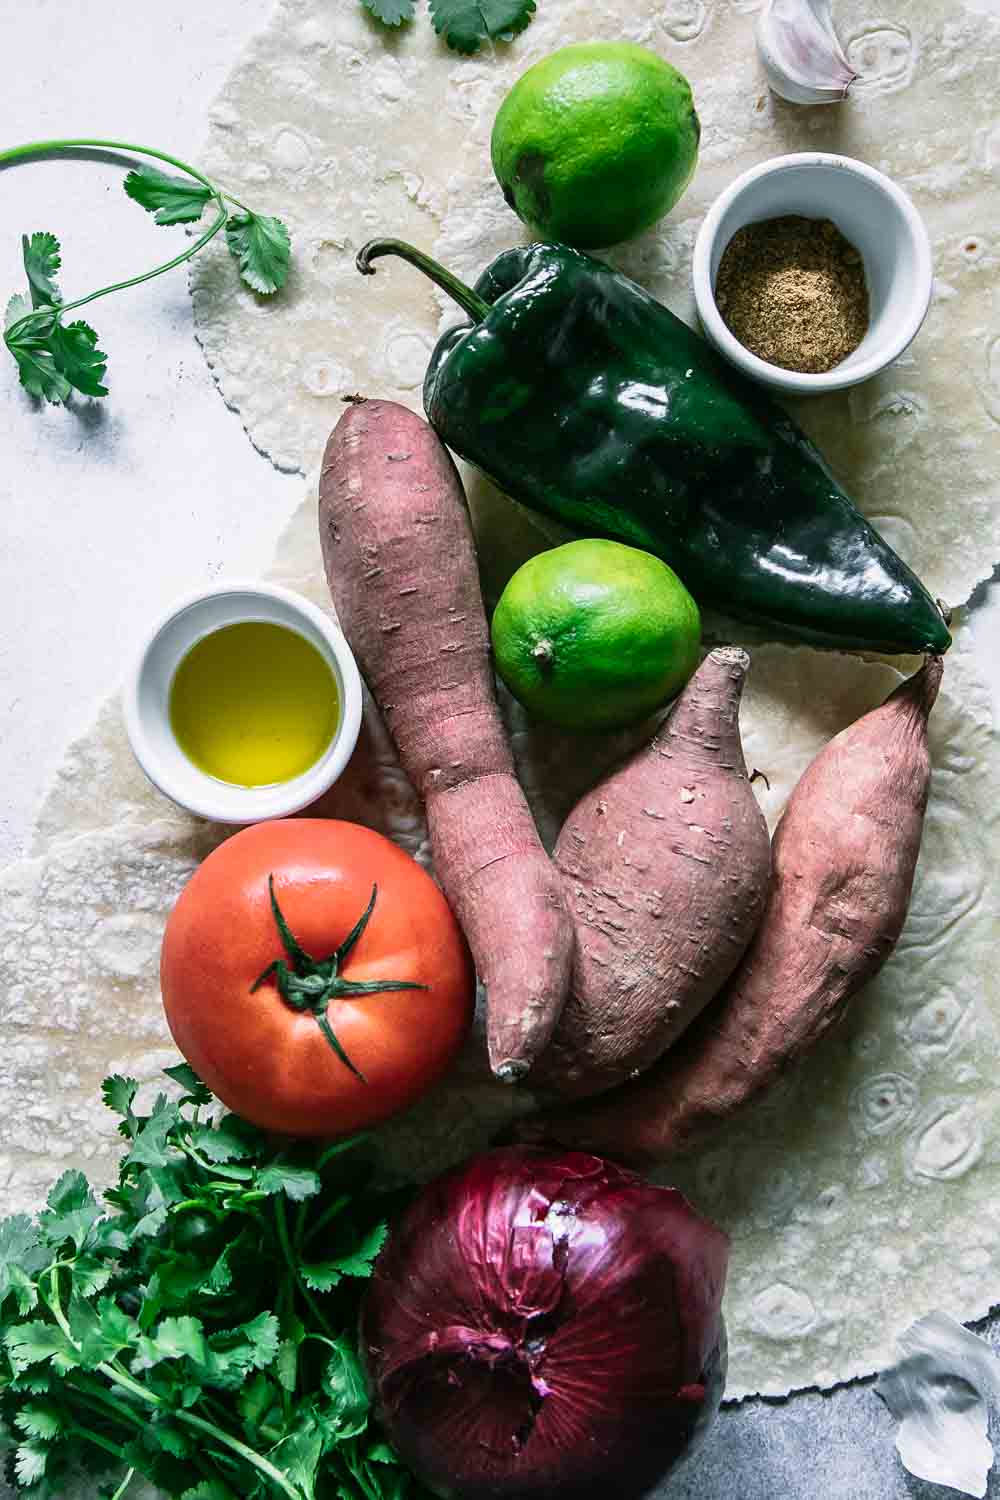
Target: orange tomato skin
{"points": [[263, 1059]]}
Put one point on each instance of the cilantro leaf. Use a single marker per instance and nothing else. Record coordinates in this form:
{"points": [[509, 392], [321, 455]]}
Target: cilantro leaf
{"points": [[390, 12], [24, 1289], [381, 1453], [74, 348], [287, 1364], [53, 359], [324, 1276], [183, 1074], [344, 1384], [150, 1224], [232, 1355], [262, 1335], [119, 1094], [72, 1211], [220, 1143], [41, 262], [18, 307], [174, 1338], [102, 1332], [209, 1489], [33, 1342], [91, 1275], [296, 1182], [150, 1148], [22, 1256], [36, 364], [220, 1276], [39, 1419], [298, 1455], [163, 1435], [171, 200], [261, 248], [466, 24], [257, 1396], [321, 1277], [29, 1462], [359, 1261], [33, 1382]]}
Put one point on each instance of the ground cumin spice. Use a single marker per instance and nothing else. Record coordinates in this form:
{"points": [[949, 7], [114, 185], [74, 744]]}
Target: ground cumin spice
{"points": [[793, 291]]}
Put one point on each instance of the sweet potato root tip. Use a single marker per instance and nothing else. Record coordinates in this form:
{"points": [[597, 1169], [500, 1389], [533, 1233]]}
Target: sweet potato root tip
{"points": [[401, 565], [845, 852]]}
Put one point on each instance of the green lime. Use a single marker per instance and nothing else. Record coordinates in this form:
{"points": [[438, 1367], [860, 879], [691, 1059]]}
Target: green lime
{"points": [[595, 143], [595, 635]]}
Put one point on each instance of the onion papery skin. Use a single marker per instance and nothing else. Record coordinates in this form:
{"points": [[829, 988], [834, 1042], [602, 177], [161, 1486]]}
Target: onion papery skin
{"points": [[545, 1324]]}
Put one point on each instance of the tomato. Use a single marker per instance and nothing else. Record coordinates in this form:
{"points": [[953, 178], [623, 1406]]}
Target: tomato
{"points": [[318, 1060]]}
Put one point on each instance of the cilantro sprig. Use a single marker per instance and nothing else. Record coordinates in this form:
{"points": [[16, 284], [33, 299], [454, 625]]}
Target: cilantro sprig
{"points": [[463, 24], [55, 357], [197, 1329]]}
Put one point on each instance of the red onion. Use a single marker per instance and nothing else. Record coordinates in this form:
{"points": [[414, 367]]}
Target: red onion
{"points": [[545, 1324]]}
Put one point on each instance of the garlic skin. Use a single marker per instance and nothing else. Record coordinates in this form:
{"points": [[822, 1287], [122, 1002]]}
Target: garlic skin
{"points": [[802, 57]]}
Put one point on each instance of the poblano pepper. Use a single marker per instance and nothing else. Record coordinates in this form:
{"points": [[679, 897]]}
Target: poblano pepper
{"points": [[582, 396]]}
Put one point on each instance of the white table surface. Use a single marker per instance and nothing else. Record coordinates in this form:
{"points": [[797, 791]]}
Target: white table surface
{"points": [[110, 509]]}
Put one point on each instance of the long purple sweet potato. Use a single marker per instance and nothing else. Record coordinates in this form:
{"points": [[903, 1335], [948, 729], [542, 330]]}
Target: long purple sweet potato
{"points": [[665, 864], [844, 855], [401, 566]]}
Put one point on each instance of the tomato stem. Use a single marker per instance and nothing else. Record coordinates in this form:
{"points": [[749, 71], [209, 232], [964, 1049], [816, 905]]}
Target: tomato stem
{"points": [[309, 984]]}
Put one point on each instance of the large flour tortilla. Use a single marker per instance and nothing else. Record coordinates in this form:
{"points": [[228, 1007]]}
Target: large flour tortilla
{"points": [[349, 132], [859, 1196], [864, 1192]]}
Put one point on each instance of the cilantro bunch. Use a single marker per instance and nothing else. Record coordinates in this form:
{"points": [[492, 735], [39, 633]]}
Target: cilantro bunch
{"points": [[55, 357], [464, 24], [199, 1330]]}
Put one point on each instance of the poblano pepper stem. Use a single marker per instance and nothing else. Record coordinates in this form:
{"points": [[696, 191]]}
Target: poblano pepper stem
{"points": [[469, 301]]}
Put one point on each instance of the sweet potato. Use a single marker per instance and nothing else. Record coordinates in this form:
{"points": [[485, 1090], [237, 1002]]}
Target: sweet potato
{"points": [[401, 566], [844, 856], [665, 864]]}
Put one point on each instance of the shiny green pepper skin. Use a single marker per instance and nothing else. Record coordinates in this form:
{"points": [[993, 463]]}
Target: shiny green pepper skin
{"points": [[581, 396]]}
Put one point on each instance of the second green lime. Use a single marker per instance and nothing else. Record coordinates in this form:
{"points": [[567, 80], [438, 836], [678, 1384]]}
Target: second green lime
{"points": [[595, 635], [595, 142]]}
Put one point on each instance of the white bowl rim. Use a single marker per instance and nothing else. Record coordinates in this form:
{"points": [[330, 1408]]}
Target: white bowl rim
{"points": [[286, 797], [728, 344]]}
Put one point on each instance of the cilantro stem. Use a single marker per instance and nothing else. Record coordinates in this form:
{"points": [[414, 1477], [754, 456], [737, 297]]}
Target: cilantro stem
{"points": [[95, 1437], [281, 1221], [45, 148], [118, 1376], [326, 1216], [257, 1460], [189, 1419], [94, 1396], [119, 1492], [337, 1148], [356, 1468]]}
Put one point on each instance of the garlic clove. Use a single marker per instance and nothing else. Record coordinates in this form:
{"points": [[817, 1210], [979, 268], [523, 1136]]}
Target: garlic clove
{"points": [[802, 56]]}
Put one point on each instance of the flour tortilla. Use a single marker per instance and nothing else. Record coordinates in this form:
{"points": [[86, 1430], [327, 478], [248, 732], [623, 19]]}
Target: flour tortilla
{"points": [[348, 132], [860, 1195]]}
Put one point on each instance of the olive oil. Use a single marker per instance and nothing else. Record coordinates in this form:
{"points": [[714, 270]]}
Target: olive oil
{"points": [[254, 703]]}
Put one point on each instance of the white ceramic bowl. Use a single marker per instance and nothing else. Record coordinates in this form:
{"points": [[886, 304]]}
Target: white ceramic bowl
{"points": [[147, 701], [870, 211]]}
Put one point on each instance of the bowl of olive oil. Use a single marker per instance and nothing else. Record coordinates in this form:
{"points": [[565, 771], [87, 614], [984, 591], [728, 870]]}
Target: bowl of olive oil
{"points": [[244, 704]]}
